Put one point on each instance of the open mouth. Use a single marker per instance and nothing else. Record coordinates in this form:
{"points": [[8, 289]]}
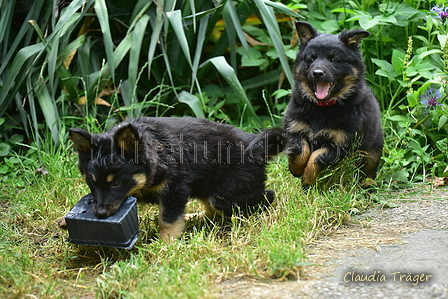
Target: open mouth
{"points": [[322, 89]]}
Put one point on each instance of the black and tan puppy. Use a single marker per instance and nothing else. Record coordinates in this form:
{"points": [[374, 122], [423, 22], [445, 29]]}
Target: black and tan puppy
{"points": [[331, 106], [169, 160]]}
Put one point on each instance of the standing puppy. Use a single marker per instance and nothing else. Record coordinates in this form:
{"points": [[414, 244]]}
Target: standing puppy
{"points": [[331, 106], [169, 160]]}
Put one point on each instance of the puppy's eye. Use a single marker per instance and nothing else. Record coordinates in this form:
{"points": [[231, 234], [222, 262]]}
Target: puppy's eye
{"points": [[332, 59], [116, 184]]}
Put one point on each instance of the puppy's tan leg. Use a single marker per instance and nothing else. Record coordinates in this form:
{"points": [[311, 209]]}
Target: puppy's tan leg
{"points": [[170, 231], [312, 169], [370, 162], [61, 223], [297, 163]]}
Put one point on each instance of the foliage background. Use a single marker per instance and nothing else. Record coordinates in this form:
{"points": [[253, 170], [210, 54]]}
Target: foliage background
{"points": [[92, 63]]}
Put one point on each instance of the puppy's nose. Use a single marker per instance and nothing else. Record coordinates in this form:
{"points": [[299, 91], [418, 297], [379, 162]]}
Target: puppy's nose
{"points": [[101, 212], [318, 73]]}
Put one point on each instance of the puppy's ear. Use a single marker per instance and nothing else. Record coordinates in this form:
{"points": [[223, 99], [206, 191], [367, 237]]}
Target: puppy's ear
{"points": [[82, 140], [306, 32], [127, 139], [352, 38]]}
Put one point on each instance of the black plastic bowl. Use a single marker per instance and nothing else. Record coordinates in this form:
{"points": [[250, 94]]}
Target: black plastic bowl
{"points": [[119, 230]]}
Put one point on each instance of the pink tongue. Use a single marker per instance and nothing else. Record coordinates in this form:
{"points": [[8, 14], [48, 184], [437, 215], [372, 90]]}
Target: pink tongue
{"points": [[322, 89]]}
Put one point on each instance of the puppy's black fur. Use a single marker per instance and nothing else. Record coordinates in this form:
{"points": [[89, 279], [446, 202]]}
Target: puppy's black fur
{"points": [[331, 106], [169, 160]]}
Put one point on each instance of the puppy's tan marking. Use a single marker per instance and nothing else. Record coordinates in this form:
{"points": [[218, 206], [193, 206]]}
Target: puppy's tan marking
{"points": [[297, 163], [312, 169], [298, 127], [159, 187], [140, 182], [370, 162], [170, 231], [110, 178]]}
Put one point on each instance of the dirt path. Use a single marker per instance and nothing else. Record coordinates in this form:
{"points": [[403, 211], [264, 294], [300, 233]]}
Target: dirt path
{"points": [[401, 251]]}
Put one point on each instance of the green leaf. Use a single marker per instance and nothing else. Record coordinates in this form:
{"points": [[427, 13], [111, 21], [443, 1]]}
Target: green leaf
{"points": [[270, 21], [4, 149], [442, 40], [103, 19], [366, 22], [229, 75], [283, 9], [387, 70], [345, 10], [137, 40], [237, 25], [412, 99], [252, 59], [193, 102], [156, 29], [430, 52], [398, 61], [49, 111], [401, 175], [442, 121], [175, 18], [16, 71]]}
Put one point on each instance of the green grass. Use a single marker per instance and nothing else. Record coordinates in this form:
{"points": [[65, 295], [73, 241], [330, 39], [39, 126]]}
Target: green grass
{"points": [[36, 260]]}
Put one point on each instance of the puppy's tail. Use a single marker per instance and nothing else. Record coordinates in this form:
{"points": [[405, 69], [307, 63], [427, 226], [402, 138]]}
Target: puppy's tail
{"points": [[267, 144]]}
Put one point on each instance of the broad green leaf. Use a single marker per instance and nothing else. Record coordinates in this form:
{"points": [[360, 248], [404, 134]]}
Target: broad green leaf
{"points": [[49, 110], [442, 40], [283, 9], [366, 22], [412, 99], [442, 121], [193, 102], [137, 40], [4, 149], [401, 175], [175, 18], [36, 8], [386, 67], [103, 19], [4, 169], [345, 10], [398, 61], [72, 8], [157, 26], [199, 50], [430, 52], [16, 70], [237, 25], [270, 21], [229, 75], [122, 49]]}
